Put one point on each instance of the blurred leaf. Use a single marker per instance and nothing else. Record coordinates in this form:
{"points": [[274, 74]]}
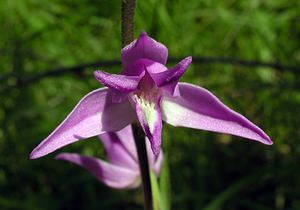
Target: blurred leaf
{"points": [[233, 190]]}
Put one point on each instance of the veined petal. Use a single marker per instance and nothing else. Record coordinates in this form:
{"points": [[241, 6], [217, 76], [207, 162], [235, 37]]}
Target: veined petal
{"points": [[93, 115], [196, 107], [109, 174], [119, 152], [168, 79], [118, 82], [149, 116], [144, 47]]}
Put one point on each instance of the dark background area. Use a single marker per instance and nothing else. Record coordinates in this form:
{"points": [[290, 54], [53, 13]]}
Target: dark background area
{"points": [[208, 171]]}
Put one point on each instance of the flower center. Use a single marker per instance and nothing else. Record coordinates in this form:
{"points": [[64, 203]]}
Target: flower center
{"points": [[148, 101], [148, 111]]}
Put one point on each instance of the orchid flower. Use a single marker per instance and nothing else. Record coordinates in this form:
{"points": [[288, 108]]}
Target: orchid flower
{"points": [[148, 92], [122, 171]]}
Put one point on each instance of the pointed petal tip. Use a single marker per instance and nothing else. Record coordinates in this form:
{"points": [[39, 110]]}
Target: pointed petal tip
{"points": [[262, 138], [118, 82], [143, 33], [196, 107], [155, 149], [35, 154], [93, 115], [60, 156], [268, 141], [111, 175], [66, 156], [32, 156], [100, 76], [97, 74], [168, 80], [186, 62], [144, 47], [189, 59]]}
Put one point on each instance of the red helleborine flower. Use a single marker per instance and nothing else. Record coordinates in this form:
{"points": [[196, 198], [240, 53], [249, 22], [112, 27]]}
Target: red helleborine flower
{"points": [[147, 92]]}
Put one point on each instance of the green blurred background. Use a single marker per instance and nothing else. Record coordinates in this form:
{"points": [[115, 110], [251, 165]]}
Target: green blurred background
{"points": [[209, 171]]}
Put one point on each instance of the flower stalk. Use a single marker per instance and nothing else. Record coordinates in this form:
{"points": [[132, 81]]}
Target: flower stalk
{"points": [[127, 18]]}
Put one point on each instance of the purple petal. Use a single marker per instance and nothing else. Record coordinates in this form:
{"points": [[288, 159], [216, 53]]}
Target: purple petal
{"points": [[93, 115], [127, 138], [156, 68], [149, 116], [139, 67], [118, 82], [168, 79], [158, 163], [111, 175], [144, 47], [197, 108], [155, 162], [121, 152]]}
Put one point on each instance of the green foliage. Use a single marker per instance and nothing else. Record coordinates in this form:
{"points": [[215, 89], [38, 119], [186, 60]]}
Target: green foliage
{"points": [[207, 170]]}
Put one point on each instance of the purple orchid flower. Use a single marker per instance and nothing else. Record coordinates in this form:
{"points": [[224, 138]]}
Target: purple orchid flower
{"points": [[122, 171], [148, 92]]}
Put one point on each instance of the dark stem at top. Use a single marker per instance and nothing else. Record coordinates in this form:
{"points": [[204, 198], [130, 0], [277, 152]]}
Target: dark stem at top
{"points": [[127, 19]]}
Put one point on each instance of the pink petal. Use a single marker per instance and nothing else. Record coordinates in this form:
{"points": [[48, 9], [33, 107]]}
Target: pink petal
{"points": [[93, 115], [168, 79], [149, 116], [127, 138], [197, 108], [111, 175], [120, 152], [144, 47], [118, 82]]}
